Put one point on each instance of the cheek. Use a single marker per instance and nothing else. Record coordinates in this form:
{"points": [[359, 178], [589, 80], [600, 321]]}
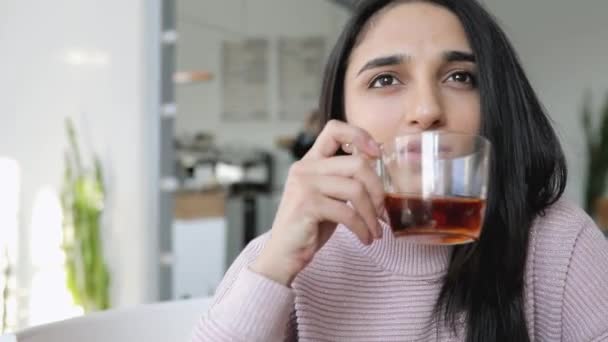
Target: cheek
{"points": [[379, 116], [463, 113]]}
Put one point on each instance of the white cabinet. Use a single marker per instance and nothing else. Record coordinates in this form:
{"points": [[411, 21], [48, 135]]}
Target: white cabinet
{"points": [[199, 254], [204, 247]]}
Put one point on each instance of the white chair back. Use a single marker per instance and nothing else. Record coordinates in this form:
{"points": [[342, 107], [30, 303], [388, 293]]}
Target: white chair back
{"points": [[159, 322]]}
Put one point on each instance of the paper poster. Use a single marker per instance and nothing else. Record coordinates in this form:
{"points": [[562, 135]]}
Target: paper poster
{"points": [[301, 62], [245, 80]]}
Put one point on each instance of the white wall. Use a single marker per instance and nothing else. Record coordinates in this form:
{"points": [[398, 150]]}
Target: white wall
{"points": [[564, 48], [92, 61], [203, 25]]}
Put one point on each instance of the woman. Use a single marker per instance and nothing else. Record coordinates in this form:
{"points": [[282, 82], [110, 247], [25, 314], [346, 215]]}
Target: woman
{"points": [[540, 269]]}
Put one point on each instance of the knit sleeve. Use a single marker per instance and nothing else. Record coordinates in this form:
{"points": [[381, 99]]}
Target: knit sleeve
{"points": [[585, 302], [247, 306]]}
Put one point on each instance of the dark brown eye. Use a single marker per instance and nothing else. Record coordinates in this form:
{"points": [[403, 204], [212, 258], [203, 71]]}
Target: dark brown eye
{"points": [[463, 77], [384, 81]]}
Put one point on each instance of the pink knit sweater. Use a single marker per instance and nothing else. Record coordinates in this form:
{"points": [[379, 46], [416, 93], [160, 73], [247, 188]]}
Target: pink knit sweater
{"points": [[386, 291]]}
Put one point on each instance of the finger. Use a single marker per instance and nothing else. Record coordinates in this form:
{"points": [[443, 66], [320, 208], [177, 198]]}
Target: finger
{"points": [[353, 191], [355, 167], [329, 209], [335, 134]]}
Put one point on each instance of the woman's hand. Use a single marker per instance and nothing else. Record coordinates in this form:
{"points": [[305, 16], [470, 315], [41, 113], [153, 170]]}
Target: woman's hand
{"points": [[315, 199]]}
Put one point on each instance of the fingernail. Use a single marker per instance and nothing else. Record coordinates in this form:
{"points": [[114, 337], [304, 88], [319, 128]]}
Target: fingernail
{"points": [[348, 148]]}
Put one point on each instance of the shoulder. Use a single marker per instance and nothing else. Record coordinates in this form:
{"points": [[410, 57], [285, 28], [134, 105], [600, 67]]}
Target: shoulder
{"points": [[553, 237], [562, 242], [563, 218], [556, 232]]}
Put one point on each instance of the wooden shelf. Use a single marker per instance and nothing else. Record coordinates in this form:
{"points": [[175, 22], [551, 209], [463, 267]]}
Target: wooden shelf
{"points": [[191, 76]]}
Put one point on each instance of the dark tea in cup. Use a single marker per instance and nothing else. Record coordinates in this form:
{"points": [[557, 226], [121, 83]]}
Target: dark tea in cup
{"points": [[435, 186], [436, 220]]}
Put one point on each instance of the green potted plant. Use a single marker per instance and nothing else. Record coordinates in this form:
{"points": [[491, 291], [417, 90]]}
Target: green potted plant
{"points": [[82, 198], [597, 153]]}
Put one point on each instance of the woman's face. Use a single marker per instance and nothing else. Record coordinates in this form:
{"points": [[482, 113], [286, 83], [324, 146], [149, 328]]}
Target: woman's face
{"points": [[412, 70]]}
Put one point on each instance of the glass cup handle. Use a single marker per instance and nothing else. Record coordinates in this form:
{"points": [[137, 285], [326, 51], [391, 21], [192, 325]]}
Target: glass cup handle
{"points": [[378, 165]]}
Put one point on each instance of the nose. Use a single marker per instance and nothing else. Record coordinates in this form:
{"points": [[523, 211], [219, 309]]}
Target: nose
{"points": [[424, 110]]}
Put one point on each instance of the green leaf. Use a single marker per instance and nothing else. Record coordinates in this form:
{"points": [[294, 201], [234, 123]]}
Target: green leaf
{"points": [[82, 200]]}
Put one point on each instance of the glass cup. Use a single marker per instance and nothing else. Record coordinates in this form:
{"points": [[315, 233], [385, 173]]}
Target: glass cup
{"points": [[435, 186]]}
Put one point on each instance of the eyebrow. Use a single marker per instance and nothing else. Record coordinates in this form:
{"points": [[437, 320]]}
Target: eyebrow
{"points": [[384, 61], [458, 56], [448, 56]]}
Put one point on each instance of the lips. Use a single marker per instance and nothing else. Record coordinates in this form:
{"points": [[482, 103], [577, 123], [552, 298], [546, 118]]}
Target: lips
{"points": [[415, 147]]}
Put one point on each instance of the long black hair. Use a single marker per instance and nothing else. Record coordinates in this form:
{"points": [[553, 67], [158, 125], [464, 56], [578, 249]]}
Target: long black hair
{"points": [[485, 280]]}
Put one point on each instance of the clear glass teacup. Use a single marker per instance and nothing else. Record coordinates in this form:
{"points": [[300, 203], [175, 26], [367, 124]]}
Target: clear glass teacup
{"points": [[435, 186]]}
